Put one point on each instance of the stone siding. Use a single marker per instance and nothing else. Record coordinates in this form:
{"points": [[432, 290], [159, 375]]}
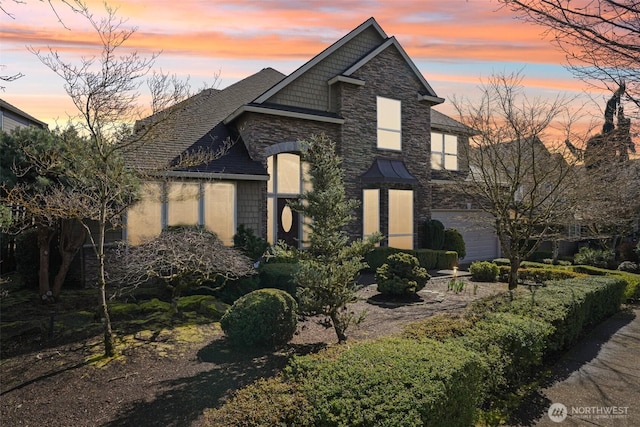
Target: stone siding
{"points": [[386, 75]]}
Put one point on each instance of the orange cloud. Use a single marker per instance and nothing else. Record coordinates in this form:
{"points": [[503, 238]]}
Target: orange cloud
{"points": [[276, 29]]}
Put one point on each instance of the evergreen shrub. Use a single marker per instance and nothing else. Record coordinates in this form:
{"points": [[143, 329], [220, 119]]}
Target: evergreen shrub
{"points": [[538, 274], [266, 317], [248, 243], [512, 346], [439, 327], [401, 275], [594, 257], [632, 290], [279, 276], [266, 402], [569, 306], [391, 382], [453, 241], [447, 260], [483, 271], [433, 234]]}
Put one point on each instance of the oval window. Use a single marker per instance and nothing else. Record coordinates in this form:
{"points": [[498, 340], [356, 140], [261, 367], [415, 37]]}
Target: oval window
{"points": [[286, 218]]}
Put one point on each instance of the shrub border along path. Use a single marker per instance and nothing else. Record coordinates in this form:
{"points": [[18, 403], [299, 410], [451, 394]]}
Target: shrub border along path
{"points": [[325, 381]]}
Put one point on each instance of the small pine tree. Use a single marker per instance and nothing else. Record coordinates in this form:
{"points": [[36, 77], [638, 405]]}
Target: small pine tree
{"points": [[328, 269]]}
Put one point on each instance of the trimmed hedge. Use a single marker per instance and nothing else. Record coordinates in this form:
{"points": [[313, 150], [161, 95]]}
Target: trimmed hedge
{"points": [[483, 358], [569, 306], [632, 290], [391, 382], [512, 346], [539, 274], [447, 260], [439, 327]]}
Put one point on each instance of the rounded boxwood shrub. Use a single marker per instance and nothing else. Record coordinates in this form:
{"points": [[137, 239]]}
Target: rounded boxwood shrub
{"points": [[266, 317], [401, 275], [483, 271]]}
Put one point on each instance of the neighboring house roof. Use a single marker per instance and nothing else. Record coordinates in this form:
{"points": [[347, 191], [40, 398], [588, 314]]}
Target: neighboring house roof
{"points": [[442, 122], [5, 106], [197, 122]]}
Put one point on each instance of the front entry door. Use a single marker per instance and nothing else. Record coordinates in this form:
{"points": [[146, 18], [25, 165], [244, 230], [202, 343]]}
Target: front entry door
{"points": [[288, 223]]}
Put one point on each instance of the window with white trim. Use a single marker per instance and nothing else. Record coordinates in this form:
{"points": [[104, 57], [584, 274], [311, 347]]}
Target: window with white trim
{"points": [[389, 124], [444, 151]]}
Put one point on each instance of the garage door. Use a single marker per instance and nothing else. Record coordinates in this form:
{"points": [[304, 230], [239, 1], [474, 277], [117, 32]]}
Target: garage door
{"points": [[479, 237]]}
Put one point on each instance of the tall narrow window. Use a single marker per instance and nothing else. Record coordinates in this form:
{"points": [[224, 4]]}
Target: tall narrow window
{"points": [[370, 212], [220, 209], [444, 151], [401, 219], [389, 124]]}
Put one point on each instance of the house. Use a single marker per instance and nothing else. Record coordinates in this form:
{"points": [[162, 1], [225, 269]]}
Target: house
{"points": [[12, 117], [449, 164], [364, 92]]}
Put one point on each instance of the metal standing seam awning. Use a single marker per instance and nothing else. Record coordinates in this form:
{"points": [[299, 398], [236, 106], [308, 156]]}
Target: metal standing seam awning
{"points": [[388, 171]]}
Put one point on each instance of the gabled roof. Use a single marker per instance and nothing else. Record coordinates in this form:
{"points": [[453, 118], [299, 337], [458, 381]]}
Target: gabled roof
{"points": [[4, 105], [195, 122], [393, 42], [369, 24], [442, 122]]}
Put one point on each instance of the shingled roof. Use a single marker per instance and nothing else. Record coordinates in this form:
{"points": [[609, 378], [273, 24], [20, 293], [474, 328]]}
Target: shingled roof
{"points": [[442, 122], [197, 123]]}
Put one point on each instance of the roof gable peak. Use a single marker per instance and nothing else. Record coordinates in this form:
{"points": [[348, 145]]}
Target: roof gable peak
{"points": [[369, 23]]}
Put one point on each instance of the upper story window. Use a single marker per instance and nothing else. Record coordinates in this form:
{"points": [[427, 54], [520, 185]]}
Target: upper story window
{"points": [[444, 151], [389, 124]]}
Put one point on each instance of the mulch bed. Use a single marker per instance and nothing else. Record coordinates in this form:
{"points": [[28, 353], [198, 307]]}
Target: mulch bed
{"points": [[165, 381]]}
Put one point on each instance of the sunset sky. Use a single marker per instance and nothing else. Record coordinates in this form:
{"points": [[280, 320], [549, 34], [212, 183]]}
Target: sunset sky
{"points": [[454, 43]]}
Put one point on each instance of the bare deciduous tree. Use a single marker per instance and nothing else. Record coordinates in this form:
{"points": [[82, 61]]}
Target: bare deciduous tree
{"points": [[106, 92], [515, 175], [601, 38]]}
